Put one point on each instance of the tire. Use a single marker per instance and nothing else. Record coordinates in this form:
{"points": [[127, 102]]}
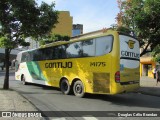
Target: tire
{"points": [[65, 87], [24, 80], [78, 89]]}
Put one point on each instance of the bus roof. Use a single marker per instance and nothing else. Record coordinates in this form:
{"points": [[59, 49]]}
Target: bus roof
{"points": [[92, 34]]}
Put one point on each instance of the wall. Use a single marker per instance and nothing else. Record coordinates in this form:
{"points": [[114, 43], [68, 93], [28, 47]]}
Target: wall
{"points": [[64, 27], [146, 66]]}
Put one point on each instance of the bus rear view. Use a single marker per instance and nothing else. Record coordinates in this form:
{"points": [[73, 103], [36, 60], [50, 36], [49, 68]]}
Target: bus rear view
{"points": [[128, 77]]}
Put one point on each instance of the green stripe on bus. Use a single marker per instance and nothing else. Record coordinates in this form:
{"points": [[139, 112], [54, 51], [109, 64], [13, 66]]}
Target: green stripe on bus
{"points": [[35, 71]]}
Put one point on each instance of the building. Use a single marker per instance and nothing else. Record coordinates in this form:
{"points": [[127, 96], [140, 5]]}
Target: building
{"points": [[77, 29], [64, 27], [147, 65], [33, 43]]}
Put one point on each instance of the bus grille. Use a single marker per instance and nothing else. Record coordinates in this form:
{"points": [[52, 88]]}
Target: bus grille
{"points": [[101, 82]]}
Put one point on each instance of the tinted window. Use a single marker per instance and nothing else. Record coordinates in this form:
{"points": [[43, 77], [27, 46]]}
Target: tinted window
{"points": [[31, 55], [25, 57], [36, 55], [104, 45], [63, 51], [55, 52], [88, 48], [48, 53], [74, 50], [59, 52]]}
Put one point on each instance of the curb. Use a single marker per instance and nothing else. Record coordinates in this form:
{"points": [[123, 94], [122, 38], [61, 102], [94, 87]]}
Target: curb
{"points": [[44, 118]]}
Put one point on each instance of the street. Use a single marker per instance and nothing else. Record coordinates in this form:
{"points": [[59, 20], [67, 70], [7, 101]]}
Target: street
{"points": [[51, 99]]}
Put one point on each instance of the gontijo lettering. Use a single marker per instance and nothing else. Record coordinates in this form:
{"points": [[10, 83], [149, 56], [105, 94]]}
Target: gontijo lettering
{"points": [[130, 54], [58, 65]]}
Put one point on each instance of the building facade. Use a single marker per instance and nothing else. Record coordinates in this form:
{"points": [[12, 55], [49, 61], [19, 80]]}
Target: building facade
{"points": [[77, 29], [64, 27], [147, 65]]}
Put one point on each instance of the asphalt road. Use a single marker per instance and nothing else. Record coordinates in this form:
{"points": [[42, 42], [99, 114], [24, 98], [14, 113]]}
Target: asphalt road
{"points": [[51, 99]]}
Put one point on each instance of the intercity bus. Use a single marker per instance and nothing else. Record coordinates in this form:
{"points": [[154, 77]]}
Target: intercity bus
{"points": [[104, 63]]}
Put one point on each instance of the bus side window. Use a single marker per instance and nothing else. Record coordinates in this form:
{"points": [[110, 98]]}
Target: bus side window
{"points": [[25, 57], [104, 45], [88, 48], [55, 52], [74, 50], [62, 52], [48, 53], [31, 56], [35, 55]]}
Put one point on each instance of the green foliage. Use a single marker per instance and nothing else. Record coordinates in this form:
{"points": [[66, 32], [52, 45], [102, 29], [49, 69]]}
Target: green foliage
{"points": [[53, 38], [156, 53], [24, 18], [5, 42], [143, 17], [124, 30]]}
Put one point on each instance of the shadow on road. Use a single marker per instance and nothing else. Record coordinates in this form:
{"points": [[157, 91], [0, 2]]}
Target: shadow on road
{"points": [[126, 99], [129, 99]]}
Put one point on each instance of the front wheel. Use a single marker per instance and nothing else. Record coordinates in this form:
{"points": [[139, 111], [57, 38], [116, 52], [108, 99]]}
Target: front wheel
{"points": [[65, 87], [78, 89]]}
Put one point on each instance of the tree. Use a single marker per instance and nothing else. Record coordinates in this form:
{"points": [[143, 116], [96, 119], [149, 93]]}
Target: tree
{"points": [[156, 53], [21, 19], [142, 17], [53, 38]]}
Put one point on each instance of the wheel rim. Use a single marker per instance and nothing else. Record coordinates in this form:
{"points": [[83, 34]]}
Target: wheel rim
{"points": [[78, 89]]}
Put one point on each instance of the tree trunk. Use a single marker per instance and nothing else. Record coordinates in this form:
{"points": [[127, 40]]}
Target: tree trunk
{"points": [[6, 79]]}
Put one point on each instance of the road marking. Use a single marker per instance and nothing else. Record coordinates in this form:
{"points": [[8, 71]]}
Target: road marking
{"points": [[90, 118], [59, 119]]}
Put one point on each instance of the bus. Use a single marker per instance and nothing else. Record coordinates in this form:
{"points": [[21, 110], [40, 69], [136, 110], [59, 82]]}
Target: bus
{"points": [[106, 62]]}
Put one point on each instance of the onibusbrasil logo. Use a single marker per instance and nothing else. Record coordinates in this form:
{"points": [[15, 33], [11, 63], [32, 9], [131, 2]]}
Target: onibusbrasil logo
{"points": [[130, 44]]}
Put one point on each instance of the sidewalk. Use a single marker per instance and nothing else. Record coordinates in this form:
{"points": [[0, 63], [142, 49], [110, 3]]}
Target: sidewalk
{"points": [[12, 101], [149, 87]]}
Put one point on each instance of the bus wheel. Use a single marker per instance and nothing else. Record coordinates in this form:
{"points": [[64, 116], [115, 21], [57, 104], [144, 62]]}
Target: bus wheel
{"points": [[23, 80], [78, 89], [65, 87]]}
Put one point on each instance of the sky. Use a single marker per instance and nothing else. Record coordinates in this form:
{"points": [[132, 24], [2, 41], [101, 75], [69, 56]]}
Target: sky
{"points": [[93, 14]]}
